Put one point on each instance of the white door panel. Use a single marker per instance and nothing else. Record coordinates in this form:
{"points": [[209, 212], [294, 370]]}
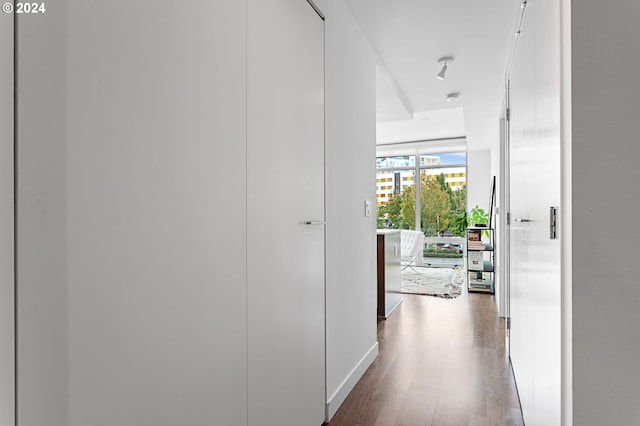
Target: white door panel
{"points": [[535, 187], [7, 373], [285, 161], [130, 268]]}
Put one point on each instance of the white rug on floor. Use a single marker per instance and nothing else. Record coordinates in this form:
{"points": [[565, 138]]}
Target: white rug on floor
{"points": [[439, 282]]}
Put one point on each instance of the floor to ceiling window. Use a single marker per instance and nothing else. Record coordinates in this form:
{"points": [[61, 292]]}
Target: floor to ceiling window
{"points": [[436, 205]]}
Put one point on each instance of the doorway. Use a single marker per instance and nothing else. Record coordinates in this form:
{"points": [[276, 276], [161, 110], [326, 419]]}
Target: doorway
{"points": [[423, 194]]}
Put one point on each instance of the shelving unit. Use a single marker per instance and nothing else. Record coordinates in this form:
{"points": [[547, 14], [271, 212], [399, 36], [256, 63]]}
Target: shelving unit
{"points": [[480, 260]]}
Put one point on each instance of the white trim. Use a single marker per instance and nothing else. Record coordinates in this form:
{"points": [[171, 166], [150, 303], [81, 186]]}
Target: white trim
{"points": [[566, 213], [7, 223], [392, 310], [502, 252], [347, 385]]}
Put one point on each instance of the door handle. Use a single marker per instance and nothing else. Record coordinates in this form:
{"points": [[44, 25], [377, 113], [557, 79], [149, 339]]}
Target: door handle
{"points": [[519, 219], [315, 222]]}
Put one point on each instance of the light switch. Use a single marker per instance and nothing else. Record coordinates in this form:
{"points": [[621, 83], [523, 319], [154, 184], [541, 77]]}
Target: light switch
{"points": [[367, 208]]}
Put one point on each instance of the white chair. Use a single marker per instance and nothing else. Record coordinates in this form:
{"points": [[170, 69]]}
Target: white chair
{"points": [[411, 246]]}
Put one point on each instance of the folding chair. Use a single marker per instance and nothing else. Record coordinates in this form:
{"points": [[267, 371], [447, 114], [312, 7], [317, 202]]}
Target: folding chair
{"points": [[411, 246]]}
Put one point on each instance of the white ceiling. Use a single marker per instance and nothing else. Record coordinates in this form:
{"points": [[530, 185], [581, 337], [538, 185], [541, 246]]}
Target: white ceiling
{"points": [[409, 37]]}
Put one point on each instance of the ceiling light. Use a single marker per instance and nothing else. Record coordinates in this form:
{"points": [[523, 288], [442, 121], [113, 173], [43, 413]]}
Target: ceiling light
{"points": [[444, 62], [452, 97]]}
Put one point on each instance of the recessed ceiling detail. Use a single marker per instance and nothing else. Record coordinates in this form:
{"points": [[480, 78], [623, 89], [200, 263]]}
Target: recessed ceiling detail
{"points": [[409, 37]]}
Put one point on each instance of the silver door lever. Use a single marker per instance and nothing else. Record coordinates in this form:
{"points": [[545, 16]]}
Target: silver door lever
{"points": [[519, 219], [315, 222]]}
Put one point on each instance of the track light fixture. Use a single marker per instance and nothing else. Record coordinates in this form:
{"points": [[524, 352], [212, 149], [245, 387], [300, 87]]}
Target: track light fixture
{"points": [[444, 63]]}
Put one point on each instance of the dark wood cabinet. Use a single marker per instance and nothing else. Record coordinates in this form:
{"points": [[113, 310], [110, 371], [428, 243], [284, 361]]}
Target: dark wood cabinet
{"points": [[389, 281]]}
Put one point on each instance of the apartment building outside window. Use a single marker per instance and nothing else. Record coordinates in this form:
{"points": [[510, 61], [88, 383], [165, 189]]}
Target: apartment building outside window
{"points": [[441, 194]]}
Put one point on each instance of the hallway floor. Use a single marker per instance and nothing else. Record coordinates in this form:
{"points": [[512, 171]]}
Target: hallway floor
{"points": [[442, 362]]}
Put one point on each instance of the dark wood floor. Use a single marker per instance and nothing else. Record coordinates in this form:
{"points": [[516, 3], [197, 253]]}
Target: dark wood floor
{"points": [[442, 362]]}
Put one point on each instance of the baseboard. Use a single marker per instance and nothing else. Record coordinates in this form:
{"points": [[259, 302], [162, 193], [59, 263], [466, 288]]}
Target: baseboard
{"points": [[394, 308], [338, 397]]}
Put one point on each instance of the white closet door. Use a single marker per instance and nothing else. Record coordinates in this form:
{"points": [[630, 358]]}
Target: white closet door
{"points": [[131, 271], [535, 186], [286, 353]]}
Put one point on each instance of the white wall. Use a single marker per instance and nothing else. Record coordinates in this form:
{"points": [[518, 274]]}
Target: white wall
{"points": [[479, 178], [6, 222], [605, 153], [350, 180], [42, 259], [132, 214], [322, 5], [132, 233]]}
